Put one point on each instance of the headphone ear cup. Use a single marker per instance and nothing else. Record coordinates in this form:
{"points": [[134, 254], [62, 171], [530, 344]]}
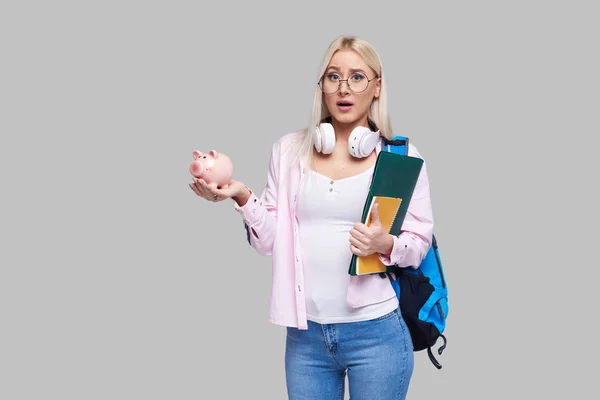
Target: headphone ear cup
{"points": [[327, 138], [317, 139], [362, 142]]}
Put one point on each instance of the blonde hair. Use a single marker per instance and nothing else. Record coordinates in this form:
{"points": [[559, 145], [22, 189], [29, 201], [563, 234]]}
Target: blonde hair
{"points": [[378, 112]]}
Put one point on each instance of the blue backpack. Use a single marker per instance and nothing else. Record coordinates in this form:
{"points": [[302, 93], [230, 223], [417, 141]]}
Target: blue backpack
{"points": [[422, 292]]}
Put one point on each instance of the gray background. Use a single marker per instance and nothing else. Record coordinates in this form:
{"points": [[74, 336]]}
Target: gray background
{"points": [[117, 282]]}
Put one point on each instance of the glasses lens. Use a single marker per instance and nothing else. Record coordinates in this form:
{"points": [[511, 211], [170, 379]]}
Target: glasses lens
{"points": [[330, 83], [358, 82]]}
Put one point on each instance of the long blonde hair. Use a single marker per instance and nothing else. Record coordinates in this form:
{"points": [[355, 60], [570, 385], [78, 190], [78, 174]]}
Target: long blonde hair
{"points": [[378, 111]]}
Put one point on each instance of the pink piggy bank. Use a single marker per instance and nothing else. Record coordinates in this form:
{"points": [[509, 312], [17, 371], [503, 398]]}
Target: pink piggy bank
{"points": [[215, 168]]}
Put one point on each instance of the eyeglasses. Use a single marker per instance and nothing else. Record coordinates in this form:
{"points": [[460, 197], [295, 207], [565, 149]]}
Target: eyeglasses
{"points": [[357, 82]]}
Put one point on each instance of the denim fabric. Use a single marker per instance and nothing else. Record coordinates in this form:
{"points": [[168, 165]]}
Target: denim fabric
{"points": [[377, 355]]}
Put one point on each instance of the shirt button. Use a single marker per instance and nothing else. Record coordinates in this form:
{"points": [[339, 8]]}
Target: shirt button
{"points": [[331, 189]]}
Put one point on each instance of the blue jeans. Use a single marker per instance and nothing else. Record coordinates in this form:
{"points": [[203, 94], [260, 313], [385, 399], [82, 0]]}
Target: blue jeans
{"points": [[377, 355]]}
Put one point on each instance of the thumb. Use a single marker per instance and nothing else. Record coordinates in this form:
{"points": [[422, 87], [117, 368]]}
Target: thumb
{"points": [[375, 214]]}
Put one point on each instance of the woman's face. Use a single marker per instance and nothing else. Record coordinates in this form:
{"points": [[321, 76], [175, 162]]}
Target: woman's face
{"points": [[350, 104]]}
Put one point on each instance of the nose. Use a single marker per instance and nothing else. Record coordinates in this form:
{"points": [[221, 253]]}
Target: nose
{"points": [[344, 87]]}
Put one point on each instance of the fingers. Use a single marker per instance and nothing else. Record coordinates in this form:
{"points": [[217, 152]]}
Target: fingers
{"points": [[195, 189], [357, 244], [214, 194], [201, 185], [362, 228], [221, 194], [360, 244], [356, 250], [360, 237], [361, 250], [201, 188]]}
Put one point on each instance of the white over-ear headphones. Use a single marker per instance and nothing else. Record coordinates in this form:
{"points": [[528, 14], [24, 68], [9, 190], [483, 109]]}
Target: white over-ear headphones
{"points": [[361, 143]]}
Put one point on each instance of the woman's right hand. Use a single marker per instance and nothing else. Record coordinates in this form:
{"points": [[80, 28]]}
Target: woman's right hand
{"points": [[236, 190]]}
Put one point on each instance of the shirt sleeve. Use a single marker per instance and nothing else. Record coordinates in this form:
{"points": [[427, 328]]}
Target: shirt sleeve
{"points": [[260, 212]]}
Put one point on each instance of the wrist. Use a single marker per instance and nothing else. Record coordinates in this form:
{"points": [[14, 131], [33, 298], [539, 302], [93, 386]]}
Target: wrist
{"points": [[388, 245], [242, 196]]}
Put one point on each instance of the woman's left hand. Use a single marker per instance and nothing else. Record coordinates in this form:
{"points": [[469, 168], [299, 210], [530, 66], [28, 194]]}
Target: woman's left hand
{"points": [[366, 240]]}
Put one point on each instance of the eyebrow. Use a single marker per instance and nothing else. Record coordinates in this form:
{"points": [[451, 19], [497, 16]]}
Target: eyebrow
{"points": [[351, 69]]}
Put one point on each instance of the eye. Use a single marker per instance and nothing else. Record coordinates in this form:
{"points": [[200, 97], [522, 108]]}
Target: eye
{"points": [[357, 77], [333, 76]]}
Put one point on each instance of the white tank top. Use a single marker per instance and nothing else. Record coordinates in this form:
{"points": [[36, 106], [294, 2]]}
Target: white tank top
{"points": [[327, 209]]}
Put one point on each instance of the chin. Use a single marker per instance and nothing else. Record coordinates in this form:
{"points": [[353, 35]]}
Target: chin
{"points": [[347, 118]]}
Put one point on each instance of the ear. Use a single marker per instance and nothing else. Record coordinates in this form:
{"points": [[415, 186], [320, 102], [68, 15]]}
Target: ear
{"points": [[213, 153], [196, 154], [378, 88]]}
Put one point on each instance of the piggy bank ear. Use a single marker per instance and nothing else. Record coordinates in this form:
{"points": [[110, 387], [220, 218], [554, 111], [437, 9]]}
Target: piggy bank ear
{"points": [[213, 153], [196, 154]]}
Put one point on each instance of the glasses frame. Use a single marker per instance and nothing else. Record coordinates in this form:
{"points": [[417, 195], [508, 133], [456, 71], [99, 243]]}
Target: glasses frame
{"points": [[319, 83]]}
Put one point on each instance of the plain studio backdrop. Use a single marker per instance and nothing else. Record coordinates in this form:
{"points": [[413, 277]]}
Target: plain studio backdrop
{"points": [[117, 282]]}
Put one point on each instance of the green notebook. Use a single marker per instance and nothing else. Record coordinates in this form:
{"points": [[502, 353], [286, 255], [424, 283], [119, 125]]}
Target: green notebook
{"points": [[393, 183]]}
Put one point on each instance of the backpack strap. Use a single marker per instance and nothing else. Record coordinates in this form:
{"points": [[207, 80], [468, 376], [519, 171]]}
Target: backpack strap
{"points": [[397, 145]]}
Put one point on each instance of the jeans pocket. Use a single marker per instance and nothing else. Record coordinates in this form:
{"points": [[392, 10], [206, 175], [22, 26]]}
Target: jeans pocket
{"points": [[385, 316]]}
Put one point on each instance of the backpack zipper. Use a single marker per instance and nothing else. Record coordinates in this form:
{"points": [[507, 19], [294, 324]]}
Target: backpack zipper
{"points": [[437, 257], [439, 307]]}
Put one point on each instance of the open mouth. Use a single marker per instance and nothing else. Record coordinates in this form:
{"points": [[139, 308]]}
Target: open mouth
{"points": [[344, 103]]}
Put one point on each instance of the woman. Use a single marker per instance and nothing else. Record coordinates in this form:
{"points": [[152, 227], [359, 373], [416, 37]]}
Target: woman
{"points": [[308, 220]]}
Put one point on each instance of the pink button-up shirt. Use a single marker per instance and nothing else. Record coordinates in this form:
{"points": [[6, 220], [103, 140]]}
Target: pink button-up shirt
{"points": [[273, 227]]}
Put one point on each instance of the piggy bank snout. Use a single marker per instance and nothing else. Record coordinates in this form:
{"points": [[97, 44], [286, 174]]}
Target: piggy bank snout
{"points": [[197, 168]]}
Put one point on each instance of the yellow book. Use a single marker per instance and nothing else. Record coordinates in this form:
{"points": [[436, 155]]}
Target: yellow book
{"points": [[388, 209]]}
